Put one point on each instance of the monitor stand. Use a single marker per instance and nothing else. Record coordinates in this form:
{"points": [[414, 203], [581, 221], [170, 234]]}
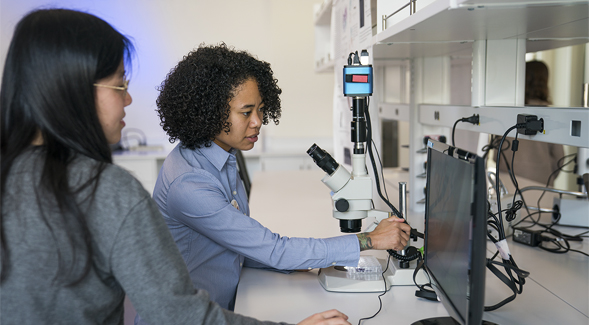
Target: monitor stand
{"points": [[444, 321]]}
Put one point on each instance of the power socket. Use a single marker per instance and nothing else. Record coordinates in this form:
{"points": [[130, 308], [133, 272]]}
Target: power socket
{"points": [[532, 124]]}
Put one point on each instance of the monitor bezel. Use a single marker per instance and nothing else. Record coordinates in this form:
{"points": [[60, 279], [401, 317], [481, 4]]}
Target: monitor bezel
{"points": [[478, 248]]}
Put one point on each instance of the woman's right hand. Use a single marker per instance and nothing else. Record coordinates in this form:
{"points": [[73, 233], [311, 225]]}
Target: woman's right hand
{"points": [[330, 317]]}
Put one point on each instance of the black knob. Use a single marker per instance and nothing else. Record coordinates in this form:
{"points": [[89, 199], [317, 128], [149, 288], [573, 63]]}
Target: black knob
{"points": [[342, 205]]}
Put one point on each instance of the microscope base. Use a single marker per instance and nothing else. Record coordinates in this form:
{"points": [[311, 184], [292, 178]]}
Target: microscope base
{"points": [[403, 277], [337, 279]]}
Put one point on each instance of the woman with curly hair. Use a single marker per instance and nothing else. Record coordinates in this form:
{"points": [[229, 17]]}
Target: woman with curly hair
{"points": [[215, 101]]}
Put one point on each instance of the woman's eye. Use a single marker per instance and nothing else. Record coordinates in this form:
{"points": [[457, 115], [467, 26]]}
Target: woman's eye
{"points": [[246, 113]]}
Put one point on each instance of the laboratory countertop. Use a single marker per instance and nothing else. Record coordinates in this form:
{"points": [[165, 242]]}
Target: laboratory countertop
{"points": [[297, 204]]}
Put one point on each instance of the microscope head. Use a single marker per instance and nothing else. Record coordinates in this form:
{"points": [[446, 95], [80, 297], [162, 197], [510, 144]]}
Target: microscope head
{"points": [[351, 195]]}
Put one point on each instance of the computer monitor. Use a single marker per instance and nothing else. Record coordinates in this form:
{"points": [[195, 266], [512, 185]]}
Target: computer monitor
{"points": [[455, 232]]}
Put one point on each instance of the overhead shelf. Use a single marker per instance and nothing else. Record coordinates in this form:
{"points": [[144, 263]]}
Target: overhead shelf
{"points": [[447, 27], [323, 37], [323, 13]]}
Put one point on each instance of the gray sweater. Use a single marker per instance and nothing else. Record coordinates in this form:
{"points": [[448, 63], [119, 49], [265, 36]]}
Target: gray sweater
{"points": [[133, 253]]}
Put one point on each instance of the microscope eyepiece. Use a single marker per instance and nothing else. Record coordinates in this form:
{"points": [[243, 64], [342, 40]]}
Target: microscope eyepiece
{"points": [[323, 159]]}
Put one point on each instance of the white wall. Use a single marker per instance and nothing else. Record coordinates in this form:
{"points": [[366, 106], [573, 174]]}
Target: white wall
{"points": [[277, 31]]}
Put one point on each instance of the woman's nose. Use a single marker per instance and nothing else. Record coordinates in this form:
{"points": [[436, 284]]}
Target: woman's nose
{"points": [[128, 99], [256, 120]]}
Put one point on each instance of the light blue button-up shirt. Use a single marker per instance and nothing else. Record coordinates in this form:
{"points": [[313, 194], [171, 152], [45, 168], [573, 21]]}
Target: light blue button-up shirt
{"points": [[205, 205]]}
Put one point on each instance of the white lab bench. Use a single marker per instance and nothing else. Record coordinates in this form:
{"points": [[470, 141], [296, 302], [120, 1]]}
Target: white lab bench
{"points": [[297, 203]]}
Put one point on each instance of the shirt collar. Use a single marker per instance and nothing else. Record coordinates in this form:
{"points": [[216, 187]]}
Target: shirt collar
{"points": [[217, 155]]}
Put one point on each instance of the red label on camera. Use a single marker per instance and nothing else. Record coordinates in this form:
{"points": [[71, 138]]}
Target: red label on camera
{"points": [[359, 78]]}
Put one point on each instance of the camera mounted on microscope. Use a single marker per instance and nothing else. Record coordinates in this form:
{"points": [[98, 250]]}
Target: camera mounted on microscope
{"points": [[358, 75]]}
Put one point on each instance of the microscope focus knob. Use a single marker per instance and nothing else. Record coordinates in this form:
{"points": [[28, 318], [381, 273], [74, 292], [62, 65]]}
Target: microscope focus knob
{"points": [[342, 205]]}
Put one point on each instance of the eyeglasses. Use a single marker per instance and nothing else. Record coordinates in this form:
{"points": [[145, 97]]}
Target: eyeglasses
{"points": [[123, 88]]}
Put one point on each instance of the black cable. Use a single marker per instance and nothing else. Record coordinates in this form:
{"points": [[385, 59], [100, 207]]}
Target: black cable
{"points": [[560, 168], [386, 289], [369, 140], [493, 145], [530, 216], [559, 250], [516, 285], [474, 119], [453, 129], [556, 240], [538, 223], [510, 170], [412, 254], [559, 240], [578, 251], [384, 185], [406, 258], [497, 190], [539, 213], [493, 221], [557, 219], [514, 277], [583, 234], [423, 291]]}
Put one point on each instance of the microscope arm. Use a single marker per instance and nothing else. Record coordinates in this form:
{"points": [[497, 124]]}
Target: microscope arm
{"points": [[379, 216]]}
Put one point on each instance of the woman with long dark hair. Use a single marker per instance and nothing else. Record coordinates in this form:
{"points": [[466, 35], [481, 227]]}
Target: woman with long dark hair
{"points": [[77, 232]]}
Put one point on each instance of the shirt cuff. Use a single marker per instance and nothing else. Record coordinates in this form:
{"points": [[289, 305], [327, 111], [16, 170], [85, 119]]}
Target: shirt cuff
{"points": [[343, 250]]}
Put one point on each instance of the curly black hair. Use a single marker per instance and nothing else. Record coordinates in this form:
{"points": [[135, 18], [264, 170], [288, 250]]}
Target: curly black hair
{"points": [[193, 104]]}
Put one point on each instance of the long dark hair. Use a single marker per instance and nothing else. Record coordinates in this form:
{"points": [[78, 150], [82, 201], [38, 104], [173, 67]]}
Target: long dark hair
{"points": [[54, 58]]}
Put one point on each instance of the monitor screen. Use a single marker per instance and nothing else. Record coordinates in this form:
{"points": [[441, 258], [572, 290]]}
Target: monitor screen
{"points": [[455, 230]]}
